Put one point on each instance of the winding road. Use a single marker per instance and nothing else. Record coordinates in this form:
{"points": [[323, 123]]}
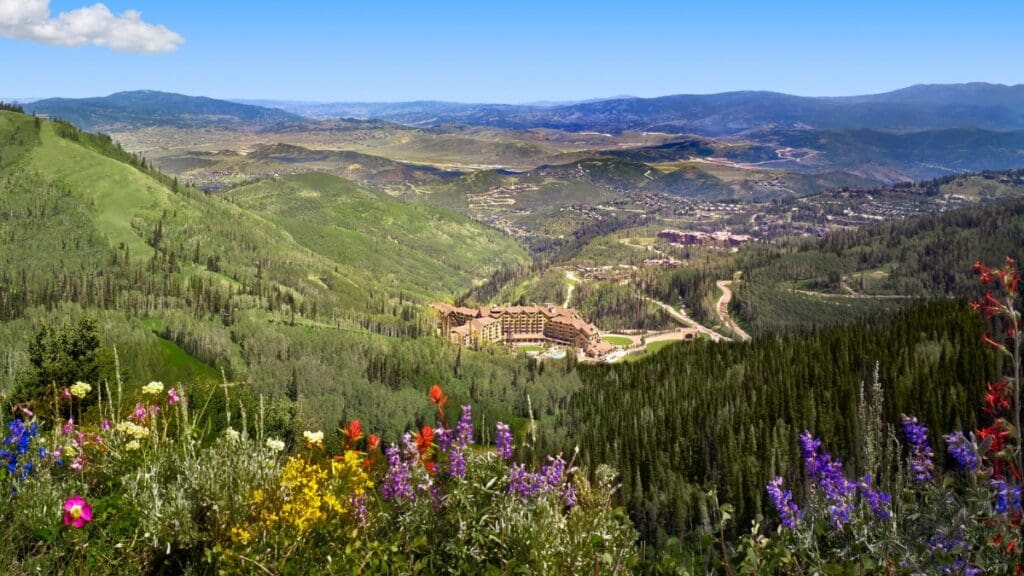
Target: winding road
{"points": [[723, 310], [681, 316]]}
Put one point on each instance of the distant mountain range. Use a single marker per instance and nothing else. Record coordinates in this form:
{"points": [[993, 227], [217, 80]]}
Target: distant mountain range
{"points": [[921, 107], [917, 108]]}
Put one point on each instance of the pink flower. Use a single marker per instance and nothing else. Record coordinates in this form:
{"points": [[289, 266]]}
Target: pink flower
{"points": [[68, 427], [105, 425], [77, 464], [140, 413], [77, 512], [65, 393], [173, 397]]}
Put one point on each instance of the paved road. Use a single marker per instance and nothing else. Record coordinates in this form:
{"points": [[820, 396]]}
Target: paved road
{"points": [[723, 310], [680, 315]]}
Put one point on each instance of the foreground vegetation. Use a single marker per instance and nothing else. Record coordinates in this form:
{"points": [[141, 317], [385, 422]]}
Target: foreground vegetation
{"points": [[96, 487]]}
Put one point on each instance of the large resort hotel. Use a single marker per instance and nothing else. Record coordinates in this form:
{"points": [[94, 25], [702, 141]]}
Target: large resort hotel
{"points": [[515, 325]]}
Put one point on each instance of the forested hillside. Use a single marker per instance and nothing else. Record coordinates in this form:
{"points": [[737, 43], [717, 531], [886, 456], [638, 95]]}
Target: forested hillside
{"points": [[185, 285], [850, 274], [726, 417]]}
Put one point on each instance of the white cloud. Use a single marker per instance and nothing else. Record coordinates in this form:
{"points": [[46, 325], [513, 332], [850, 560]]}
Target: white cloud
{"points": [[91, 25]]}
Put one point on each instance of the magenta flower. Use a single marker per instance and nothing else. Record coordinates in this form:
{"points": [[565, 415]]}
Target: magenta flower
{"points": [[105, 425], [77, 512], [68, 427], [173, 397], [140, 413]]}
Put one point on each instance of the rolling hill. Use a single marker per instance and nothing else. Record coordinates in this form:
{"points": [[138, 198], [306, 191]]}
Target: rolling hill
{"points": [[409, 248], [147, 108]]}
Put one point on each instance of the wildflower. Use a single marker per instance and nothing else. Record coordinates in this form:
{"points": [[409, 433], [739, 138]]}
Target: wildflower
{"points": [[878, 501], [68, 427], [359, 508], [503, 440], [464, 429], [353, 432], [105, 425], [522, 483], [132, 429], [16, 446], [436, 394], [153, 388], [920, 450], [77, 512], [232, 435], [963, 451], [456, 463], [988, 340], [1007, 498], [396, 483], [828, 475], [438, 398], [80, 389], [173, 397], [424, 439], [65, 393], [275, 445], [997, 398], [313, 437], [132, 445], [372, 443], [140, 413], [789, 512]]}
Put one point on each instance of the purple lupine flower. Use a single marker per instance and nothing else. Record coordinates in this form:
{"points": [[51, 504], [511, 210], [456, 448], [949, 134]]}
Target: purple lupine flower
{"points": [[359, 506], [396, 482], [464, 429], [961, 568], [522, 483], [828, 475], [456, 462], [444, 438], [878, 501], [503, 440], [920, 450], [963, 451], [1007, 497], [951, 542], [788, 511]]}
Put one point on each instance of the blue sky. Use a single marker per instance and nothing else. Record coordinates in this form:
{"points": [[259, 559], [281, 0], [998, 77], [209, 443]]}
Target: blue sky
{"points": [[350, 50]]}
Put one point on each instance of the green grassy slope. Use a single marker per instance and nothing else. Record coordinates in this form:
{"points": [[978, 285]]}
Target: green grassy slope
{"points": [[416, 249]]}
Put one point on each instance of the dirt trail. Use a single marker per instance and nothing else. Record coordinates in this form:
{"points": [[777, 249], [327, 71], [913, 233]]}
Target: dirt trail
{"points": [[723, 310], [572, 279]]}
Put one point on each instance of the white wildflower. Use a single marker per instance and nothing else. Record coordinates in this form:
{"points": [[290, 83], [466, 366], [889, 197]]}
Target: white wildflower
{"points": [[153, 388], [232, 435], [132, 429], [275, 445], [313, 437], [80, 389]]}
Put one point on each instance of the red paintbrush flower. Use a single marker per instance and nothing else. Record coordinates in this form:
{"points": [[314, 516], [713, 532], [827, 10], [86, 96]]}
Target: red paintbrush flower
{"points": [[424, 439], [372, 443], [353, 432], [436, 394]]}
